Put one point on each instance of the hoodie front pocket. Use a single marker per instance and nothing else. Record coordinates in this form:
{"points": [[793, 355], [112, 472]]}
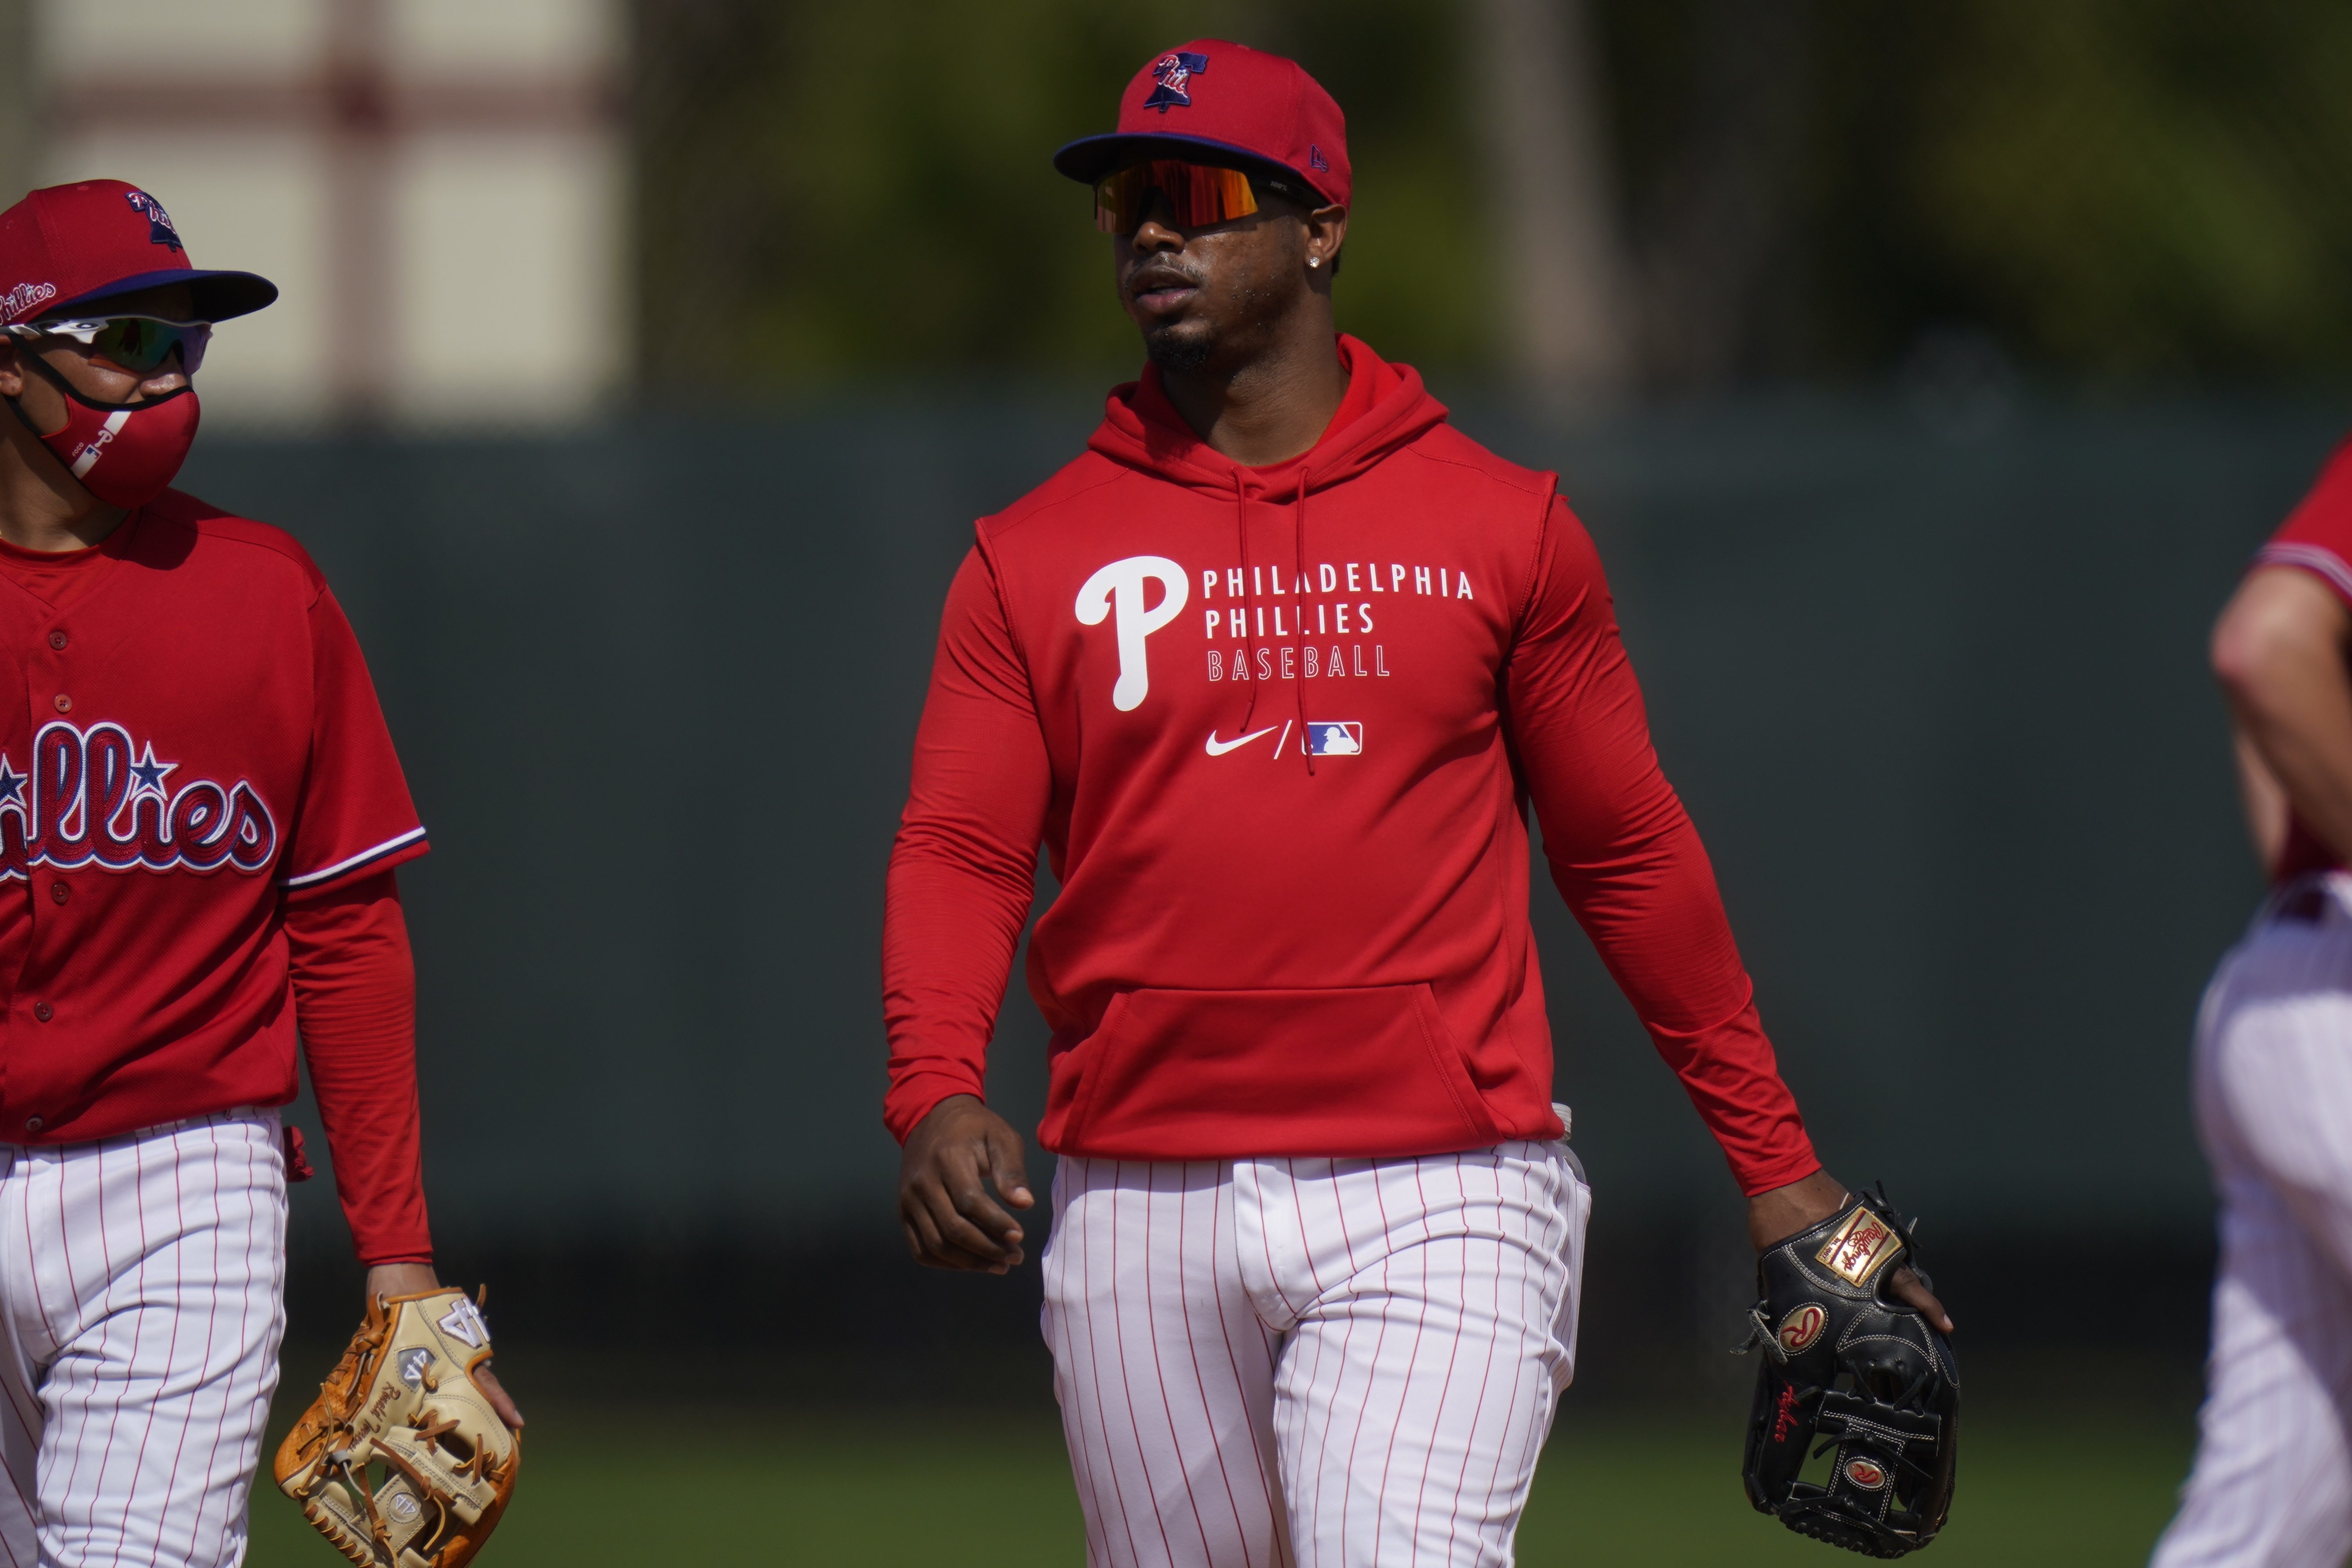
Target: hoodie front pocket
{"points": [[1360, 1069]]}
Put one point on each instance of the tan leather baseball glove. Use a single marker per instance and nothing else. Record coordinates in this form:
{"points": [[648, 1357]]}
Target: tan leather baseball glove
{"points": [[401, 1463]]}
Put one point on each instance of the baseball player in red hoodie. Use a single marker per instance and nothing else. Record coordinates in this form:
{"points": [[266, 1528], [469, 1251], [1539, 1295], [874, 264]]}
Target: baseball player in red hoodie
{"points": [[1273, 671], [200, 811]]}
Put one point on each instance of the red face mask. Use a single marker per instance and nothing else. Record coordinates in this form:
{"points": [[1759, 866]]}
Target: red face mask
{"points": [[123, 453]]}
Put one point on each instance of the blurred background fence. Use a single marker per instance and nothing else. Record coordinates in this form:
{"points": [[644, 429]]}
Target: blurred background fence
{"points": [[1935, 696]]}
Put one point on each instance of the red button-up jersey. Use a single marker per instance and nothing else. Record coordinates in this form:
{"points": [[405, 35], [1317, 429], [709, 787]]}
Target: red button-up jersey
{"points": [[192, 735]]}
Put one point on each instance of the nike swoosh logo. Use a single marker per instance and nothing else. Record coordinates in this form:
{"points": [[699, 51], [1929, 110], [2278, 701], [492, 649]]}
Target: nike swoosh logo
{"points": [[1219, 748]]}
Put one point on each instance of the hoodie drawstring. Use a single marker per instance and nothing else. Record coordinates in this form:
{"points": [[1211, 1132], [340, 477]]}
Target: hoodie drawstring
{"points": [[1298, 545], [1249, 625], [1241, 531]]}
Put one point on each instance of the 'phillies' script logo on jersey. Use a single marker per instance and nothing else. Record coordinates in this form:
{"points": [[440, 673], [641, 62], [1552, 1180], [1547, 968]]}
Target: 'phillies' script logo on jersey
{"points": [[94, 798]]}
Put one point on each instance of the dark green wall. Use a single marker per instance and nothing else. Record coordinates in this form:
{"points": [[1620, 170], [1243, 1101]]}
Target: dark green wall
{"points": [[1937, 705]]}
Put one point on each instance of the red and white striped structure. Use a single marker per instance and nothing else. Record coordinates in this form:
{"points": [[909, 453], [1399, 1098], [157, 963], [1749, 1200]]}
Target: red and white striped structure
{"points": [[438, 187]]}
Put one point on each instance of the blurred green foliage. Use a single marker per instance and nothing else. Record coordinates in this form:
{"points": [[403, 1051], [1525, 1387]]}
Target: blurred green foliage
{"points": [[2138, 187], [840, 192], [2111, 189]]}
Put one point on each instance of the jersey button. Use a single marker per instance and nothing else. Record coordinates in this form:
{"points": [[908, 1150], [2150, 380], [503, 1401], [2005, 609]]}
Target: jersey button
{"points": [[65, 703], [34, 1124], [57, 639], [42, 1011], [59, 891]]}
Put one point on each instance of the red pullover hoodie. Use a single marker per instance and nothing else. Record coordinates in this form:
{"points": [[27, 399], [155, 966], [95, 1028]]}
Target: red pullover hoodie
{"points": [[1278, 730]]}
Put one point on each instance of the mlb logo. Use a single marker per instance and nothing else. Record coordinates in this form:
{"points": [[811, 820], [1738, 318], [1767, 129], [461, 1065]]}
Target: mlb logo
{"points": [[1325, 739]]}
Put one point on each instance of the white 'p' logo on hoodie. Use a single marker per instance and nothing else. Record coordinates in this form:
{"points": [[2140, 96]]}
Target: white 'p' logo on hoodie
{"points": [[1119, 587]]}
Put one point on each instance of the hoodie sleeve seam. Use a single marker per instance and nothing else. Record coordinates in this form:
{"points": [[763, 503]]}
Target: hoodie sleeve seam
{"points": [[1011, 626], [1541, 482], [1014, 516], [1535, 558]]}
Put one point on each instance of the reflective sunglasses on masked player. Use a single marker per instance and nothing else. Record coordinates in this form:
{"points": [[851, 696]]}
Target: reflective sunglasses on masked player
{"points": [[1199, 194], [141, 344]]}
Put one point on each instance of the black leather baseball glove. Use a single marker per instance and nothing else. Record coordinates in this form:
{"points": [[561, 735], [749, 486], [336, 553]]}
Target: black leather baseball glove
{"points": [[1846, 1360]]}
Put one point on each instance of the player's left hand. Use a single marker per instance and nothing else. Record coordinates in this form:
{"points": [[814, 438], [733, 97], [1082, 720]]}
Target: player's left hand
{"points": [[1784, 1211], [414, 1278]]}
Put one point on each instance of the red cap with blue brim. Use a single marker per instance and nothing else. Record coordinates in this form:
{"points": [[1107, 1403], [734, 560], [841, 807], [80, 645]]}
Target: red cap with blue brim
{"points": [[1212, 101], [68, 248]]}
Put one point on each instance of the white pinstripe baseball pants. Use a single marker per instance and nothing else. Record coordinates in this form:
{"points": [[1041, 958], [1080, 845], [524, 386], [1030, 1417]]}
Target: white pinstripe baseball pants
{"points": [[1312, 1363], [142, 1281], [2272, 1483]]}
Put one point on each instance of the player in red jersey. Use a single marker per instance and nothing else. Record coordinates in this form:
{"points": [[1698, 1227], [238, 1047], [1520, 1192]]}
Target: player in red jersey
{"points": [[200, 811], [1273, 672]]}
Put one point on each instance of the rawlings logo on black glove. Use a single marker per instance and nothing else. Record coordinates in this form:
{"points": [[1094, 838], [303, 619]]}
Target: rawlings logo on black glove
{"points": [[1845, 1362]]}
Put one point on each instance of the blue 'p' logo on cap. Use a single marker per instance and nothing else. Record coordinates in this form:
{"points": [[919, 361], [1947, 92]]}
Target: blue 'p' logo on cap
{"points": [[1173, 71], [159, 222]]}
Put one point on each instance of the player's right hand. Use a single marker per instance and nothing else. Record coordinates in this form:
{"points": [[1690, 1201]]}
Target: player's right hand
{"points": [[952, 1158]]}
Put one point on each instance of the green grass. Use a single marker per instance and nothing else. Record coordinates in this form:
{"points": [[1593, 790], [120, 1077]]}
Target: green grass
{"points": [[631, 1487], [2081, 1495]]}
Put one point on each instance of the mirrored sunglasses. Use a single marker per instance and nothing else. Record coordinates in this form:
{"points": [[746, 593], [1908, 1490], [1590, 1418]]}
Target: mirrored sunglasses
{"points": [[1199, 194], [141, 344]]}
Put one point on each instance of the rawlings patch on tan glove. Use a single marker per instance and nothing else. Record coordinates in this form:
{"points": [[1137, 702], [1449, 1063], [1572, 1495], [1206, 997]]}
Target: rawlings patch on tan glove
{"points": [[401, 1462]]}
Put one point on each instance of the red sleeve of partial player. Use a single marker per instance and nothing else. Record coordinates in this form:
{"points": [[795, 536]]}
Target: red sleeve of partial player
{"points": [[1626, 857], [355, 1004], [2317, 535], [355, 816], [964, 870], [2316, 538]]}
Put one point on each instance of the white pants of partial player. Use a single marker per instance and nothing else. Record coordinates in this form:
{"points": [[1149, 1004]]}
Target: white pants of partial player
{"points": [[1265, 1364], [141, 1283], [2272, 1483]]}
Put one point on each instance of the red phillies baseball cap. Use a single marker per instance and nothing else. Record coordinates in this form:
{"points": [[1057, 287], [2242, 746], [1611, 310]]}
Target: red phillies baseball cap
{"points": [[1230, 103], [68, 247]]}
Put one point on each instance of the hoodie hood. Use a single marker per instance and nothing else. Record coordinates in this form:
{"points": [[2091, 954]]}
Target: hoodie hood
{"points": [[1386, 408]]}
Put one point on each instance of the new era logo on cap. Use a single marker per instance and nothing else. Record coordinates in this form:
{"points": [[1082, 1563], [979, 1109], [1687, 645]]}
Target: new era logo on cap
{"points": [[1174, 72]]}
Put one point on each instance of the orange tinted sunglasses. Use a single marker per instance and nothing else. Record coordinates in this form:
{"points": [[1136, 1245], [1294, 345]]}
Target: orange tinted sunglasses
{"points": [[1198, 195]]}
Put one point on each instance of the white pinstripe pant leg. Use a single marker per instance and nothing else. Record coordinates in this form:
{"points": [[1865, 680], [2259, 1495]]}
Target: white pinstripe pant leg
{"points": [[2271, 1487], [1164, 1373], [142, 1285], [1430, 1308], [1331, 1362]]}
